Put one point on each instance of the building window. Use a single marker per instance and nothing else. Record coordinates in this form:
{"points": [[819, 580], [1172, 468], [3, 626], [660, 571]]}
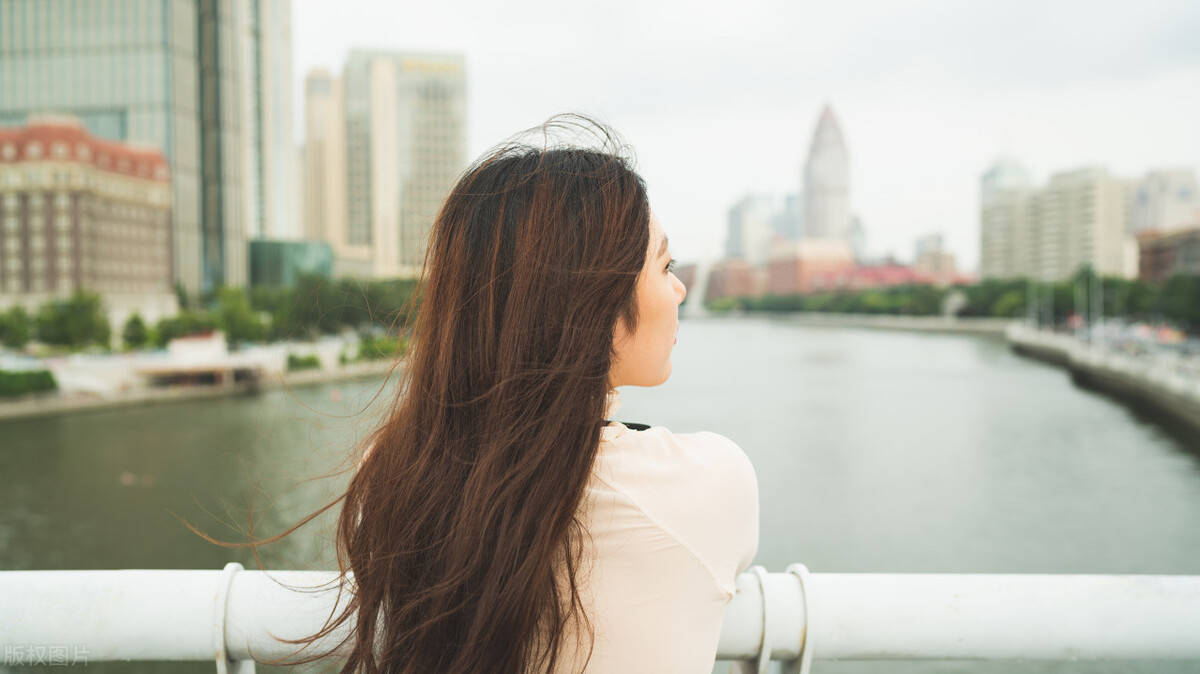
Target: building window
{"points": [[33, 150], [59, 150]]}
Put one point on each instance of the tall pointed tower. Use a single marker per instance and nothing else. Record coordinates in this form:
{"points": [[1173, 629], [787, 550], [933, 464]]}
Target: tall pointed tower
{"points": [[827, 182]]}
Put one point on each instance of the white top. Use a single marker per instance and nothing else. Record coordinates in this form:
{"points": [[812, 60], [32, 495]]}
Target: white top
{"points": [[673, 519]]}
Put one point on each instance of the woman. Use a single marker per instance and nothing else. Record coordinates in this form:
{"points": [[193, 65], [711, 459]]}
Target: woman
{"points": [[502, 522]]}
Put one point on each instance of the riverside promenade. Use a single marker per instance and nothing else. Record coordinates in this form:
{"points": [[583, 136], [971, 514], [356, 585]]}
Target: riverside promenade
{"points": [[1166, 385], [55, 403], [986, 327]]}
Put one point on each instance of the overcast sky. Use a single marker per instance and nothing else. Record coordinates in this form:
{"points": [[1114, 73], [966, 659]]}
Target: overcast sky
{"points": [[723, 101]]}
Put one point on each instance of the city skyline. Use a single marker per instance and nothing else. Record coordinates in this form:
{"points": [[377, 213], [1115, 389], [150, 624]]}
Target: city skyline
{"points": [[932, 94]]}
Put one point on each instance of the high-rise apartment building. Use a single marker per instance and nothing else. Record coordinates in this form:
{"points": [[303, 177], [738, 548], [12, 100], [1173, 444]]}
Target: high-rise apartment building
{"points": [[1004, 193], [405, 139], [201, 80], [1078, 218], [827, 182]]}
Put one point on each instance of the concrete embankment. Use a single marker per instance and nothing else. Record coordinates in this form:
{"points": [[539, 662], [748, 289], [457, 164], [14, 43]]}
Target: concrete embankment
{"points": [[48, 404], [1154, 385], [988, 327]]}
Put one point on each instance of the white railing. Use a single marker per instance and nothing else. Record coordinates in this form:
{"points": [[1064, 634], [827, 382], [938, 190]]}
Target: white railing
{"points": [[227, 615]]}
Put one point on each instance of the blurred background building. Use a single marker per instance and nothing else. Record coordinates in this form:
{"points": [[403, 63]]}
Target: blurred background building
{"points": [[206, 82], [932, 259], [1164, 200], [827, 182], [79, 212], [750, 231], [781, 245], [405, 143], [1079, 217], [276, 262], [324, 160]]}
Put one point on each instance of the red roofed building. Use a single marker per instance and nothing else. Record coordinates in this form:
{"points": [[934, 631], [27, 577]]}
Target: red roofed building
{"points": [[794, 265], [735, 278], [82, 213], [878, 276]]}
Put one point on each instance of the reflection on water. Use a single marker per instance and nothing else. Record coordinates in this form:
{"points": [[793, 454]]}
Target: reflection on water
{"points": [[876, 451]]}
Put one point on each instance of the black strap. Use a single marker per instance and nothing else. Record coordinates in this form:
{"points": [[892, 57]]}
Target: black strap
{"points": [[633, 426]]}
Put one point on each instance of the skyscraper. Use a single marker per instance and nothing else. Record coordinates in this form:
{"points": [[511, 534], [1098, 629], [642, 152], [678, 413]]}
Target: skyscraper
{"points": [[827, 182], [265, 28], [324, 161], [189, 78], [1004, 226], [405, 115]]}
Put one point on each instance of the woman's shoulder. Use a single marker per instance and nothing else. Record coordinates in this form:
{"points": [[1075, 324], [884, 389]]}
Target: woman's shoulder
{"points": [[645, 444], [700, 486]]}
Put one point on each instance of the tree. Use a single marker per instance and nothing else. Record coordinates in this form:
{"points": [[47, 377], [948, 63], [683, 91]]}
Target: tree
{"points": [[1011, 303], [1180, 300], [237, 317], [182, 296], [184, 323], [75, 322], [15, 327], [135, 334]]}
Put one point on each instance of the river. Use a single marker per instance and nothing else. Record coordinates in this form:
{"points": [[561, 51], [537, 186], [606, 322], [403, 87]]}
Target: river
{"points": [[876, 452]]}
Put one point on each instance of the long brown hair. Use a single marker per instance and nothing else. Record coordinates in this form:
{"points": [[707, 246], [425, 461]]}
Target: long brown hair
{"points": [[459, 540]]}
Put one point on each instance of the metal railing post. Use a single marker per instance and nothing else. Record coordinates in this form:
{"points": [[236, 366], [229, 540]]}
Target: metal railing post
{"points": [[224, 664]]}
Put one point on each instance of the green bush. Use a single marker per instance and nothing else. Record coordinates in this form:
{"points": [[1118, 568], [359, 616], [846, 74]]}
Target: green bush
{"points": [[75, 322], [15, 327], [236, 316], [723, 304], [383, 346], [184, 323], [310, 362], [135, 334], [318, 305], [1010, 304], [26, 381]]}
